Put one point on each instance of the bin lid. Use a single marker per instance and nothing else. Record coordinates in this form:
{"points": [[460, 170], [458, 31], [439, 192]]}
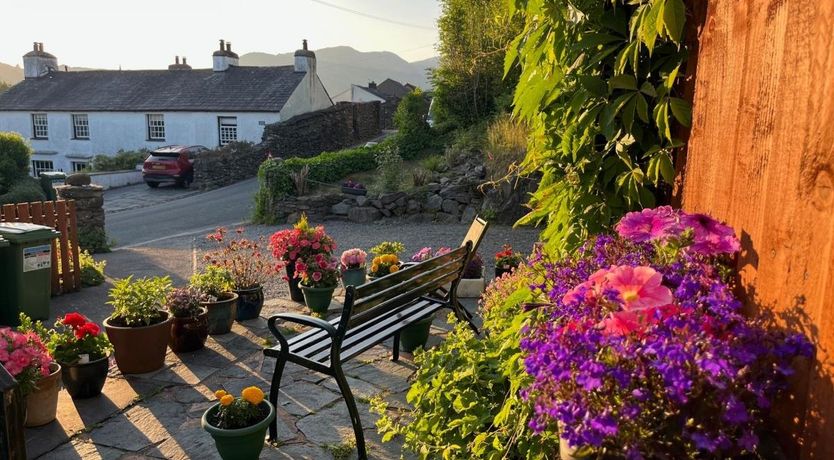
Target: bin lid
{"points": [[21, 232], [54, 174], [3, 242]]}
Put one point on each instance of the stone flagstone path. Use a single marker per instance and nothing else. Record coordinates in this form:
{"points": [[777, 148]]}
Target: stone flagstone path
{"points": [[157, 415]]}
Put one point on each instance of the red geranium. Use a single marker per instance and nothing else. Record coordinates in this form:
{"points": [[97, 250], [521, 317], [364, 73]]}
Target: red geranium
{"points": [[74, 320]]}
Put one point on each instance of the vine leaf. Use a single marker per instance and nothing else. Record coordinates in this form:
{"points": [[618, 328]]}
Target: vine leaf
{"points": [[681, 110], [674, 15]]}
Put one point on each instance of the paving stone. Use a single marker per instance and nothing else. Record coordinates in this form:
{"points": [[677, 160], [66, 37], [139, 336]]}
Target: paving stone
{"points": [[302, 398], [305, 451], [361, 389], [78, 450], [332, 425], [182, 373], [188, 441], [141, 426], [386, 375]]}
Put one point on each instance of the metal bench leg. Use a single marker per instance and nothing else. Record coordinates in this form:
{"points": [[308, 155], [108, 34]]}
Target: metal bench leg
{"points": [[396, 354], [354, 413], [273, 395], [464, 315]]}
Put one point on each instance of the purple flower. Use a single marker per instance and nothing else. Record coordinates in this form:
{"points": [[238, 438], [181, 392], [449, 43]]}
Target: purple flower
{"points": [[649, 225], [711, 237]]}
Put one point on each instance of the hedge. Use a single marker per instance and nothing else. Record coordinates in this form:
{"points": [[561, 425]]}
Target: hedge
{"points": [[275, 182]]}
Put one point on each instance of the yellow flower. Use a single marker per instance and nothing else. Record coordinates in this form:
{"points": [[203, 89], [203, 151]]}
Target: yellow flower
{"points": [[394, 268], [220, 393], [391, 259], [253, 394], [374, 268], [226, 400]]}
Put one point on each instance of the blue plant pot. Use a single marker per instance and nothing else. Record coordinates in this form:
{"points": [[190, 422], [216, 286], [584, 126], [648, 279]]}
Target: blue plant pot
{"points": [[353, 277]]}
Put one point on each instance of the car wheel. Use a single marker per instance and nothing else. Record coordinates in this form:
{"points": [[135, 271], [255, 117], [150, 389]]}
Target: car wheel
{"points": [[152, 184]]}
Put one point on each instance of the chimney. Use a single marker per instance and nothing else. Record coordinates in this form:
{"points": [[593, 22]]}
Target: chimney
{"points": [[37, 63], [372, 85], [223, 58], [179, 66], [305, 60]]}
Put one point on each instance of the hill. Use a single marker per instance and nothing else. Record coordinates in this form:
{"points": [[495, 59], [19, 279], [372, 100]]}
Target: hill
{"points": [[10, 74]]}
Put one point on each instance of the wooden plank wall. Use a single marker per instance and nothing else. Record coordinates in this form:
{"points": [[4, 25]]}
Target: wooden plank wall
{"points": [[761, 156]]}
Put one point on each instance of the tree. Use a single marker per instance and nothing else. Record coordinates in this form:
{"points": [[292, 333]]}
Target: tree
{"points": [[469, 83], [4, 86], [414, 133], [14, 159]]}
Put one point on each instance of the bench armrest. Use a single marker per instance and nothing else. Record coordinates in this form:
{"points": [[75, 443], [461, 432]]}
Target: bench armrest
{"points": [[300, 319]]}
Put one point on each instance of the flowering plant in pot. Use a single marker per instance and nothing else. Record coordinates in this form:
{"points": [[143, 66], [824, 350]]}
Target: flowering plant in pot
{"points": [[139, 326], [644, 351], [318, 277], [506, 260], [472, 283], [384, 265], [354, 188], [189, 322], [353, 267], [27, 359], [216, 286], [244, 259], [388, 247], [299, 242], [238, 424], [81, 348]]}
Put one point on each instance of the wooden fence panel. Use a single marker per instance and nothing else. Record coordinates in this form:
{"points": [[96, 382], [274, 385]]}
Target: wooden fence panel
{"points": [[60, 215], [761, 156]]}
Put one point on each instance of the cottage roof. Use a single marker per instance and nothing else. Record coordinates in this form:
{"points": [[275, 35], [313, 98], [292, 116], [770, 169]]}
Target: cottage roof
{"points": [[238, 89], [392, 88]]}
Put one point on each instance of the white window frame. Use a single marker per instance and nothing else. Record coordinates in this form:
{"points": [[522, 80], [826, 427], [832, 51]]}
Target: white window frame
{"points": [[226, 130], [41, 166], [40, 126], [155, 126], [78, 166], [80, 126]]}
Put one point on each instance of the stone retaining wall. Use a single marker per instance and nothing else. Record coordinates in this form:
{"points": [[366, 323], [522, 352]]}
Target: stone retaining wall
{"points": [[89, 214], [227, 165]]}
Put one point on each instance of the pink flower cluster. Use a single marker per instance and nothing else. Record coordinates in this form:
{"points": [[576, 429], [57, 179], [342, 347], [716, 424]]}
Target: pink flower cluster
{"points": [[294, 243], [354, 258], [318, 270], [661, 224], [24, 353], [426, 253]]}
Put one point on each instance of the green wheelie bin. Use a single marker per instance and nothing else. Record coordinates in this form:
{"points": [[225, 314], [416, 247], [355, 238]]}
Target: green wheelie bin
{"points": [[25, 271]]}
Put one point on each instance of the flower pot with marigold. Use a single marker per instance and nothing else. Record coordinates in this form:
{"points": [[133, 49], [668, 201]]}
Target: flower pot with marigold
{"points": [[238, 424], [384, 265]]}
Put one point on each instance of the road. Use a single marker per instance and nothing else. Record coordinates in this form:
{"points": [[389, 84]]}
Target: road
{"points": [[181, 217]]}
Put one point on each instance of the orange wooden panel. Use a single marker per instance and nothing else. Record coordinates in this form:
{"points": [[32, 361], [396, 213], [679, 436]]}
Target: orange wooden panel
{"points": [[36, 210], [9, 213], [66, 270], [23, 212], [49, 220], [72, 234], [761, 156]]}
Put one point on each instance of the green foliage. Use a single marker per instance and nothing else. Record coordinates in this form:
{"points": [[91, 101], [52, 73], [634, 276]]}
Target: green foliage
{"points": [[389, 165], [600, 96], [275, 176], [465, 394], [92, 272], [213, 281], [468, 83], [119, 162], [14, 160], [414, 133], [138, 302], [185, 302], [93, 240], [4, 86], [23, 190], [388, 247], [434, 163], [506, 146]]}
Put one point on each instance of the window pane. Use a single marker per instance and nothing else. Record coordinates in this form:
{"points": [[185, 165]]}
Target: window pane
{"points": [[156, 127], [39, 166], [40, 126], [227, 129], [80, 126]]}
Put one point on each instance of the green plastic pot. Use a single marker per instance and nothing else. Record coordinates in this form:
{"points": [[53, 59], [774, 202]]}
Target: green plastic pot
{"points": [[318, 299], [415, 335], [242, 443]]}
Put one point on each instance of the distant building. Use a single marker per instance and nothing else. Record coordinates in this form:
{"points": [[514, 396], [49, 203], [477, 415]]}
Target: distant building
{"points": [[71, 116], [388, 93]]}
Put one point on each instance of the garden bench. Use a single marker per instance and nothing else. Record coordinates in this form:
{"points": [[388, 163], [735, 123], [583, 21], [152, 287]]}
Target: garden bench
{"points": [[372, 313]]}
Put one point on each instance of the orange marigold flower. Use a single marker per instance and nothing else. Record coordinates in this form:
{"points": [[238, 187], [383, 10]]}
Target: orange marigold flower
{"points": [[253, 394], [220, 393], [394, 268], [226, 400]]}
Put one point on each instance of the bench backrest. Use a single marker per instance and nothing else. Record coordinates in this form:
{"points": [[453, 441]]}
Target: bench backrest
{"points": [[475, 234], [368, 301]]}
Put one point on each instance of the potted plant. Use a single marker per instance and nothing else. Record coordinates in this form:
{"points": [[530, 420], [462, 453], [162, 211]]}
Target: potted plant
{"points": [[319, 278], [472, 282], [506, 260], [354, 188], [388, 247], [82, 350], [215, 283], [299, 242], [245, 262], [189, 325], [353, 267], [384, 265], [238, 424], [26, 358], [139, 327]]}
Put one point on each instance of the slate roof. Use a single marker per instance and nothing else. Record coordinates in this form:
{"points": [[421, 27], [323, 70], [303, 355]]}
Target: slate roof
{"points": [[238, 89], [392, 88], [375, 92]]}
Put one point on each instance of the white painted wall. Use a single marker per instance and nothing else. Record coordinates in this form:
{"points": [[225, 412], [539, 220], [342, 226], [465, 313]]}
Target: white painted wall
{"points": [[308, 96], [359, 94], [114, 131], [114, 179]]}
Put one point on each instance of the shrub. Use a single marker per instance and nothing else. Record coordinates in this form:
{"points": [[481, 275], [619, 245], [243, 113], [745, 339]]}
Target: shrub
{"points": [[92, 272], [213, 281], [24, 190], [119, 162], [93, 240], [138, 302], [506, 145], [414, 133], [14, 160], [420, 177], [434, 163], [390, 167]]}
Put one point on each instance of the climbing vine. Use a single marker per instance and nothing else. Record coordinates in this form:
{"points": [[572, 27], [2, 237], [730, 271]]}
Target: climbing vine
{"points": [[599, 87]]}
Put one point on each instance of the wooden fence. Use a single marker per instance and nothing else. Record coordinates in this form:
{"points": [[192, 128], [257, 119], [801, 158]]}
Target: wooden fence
{"points": [[60, 215], [761, 156]]}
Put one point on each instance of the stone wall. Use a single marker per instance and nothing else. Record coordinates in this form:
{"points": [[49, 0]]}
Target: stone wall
{"points": [[386, 113], [89, 214], [331, 129], [227, 165]]}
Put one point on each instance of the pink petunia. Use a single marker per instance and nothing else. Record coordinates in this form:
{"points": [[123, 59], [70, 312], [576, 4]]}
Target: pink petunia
{"points": [[710, 236], [317, 276], [649, 225], [639, 287]]}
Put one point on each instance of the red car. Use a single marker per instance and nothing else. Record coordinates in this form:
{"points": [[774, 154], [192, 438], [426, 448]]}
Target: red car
{"points": [[172, 164]]}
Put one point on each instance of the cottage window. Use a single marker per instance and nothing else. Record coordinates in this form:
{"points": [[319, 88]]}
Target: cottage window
{"points": [[80, 126], [228, 129], [40, 126], [78, 166], [39, 166], [156, 127]]}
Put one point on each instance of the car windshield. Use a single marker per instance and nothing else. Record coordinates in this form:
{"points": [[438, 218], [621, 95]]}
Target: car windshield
{"points": [[165, 154]]}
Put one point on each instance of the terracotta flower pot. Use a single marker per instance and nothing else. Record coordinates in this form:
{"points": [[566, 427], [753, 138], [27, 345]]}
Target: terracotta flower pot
{"points": [[415, 335], [249, 303], [242, 443], [139, 349], [318, 299], [221, 314], [42, 404], [295, 292], [85, 380], [189, 334]]}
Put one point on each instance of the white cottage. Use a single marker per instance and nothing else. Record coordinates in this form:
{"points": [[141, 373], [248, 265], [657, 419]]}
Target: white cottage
{"points": [[71, 116]]}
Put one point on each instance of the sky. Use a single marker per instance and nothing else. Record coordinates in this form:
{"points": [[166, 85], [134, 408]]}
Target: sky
{"points": [[147, 34]]}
